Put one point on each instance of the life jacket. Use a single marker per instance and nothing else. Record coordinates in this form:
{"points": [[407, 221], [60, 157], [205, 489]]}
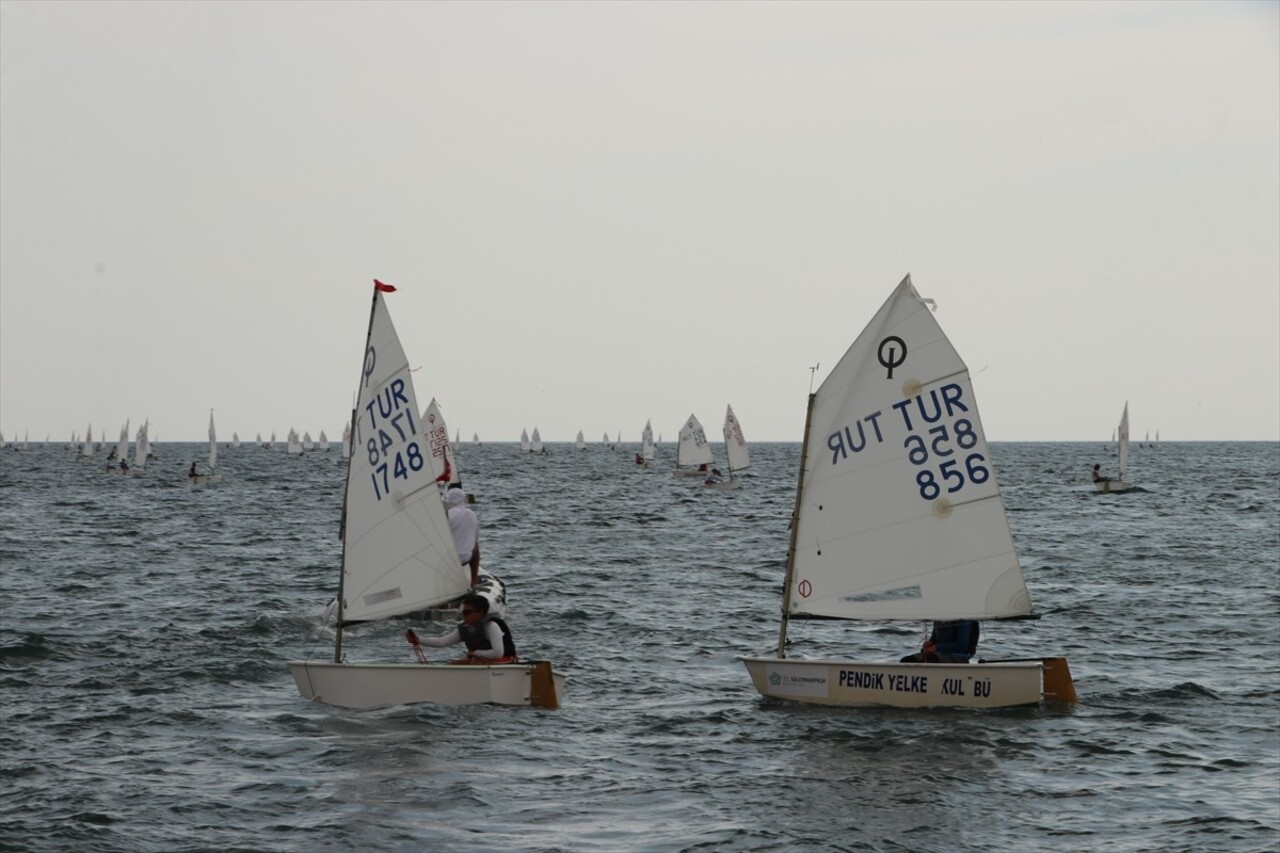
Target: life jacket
{"points": [[477, 639], [948, 634]]}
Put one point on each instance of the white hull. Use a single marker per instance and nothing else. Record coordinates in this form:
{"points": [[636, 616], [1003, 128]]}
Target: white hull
{"points": [[1110, 486], [375, 685], [901, 685]]}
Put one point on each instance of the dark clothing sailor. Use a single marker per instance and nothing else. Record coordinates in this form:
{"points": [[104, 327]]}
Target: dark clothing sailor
{"points": [[952, 641], [487, 638]]}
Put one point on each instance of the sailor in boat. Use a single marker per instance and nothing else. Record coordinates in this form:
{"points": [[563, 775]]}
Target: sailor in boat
{"points": [[191, 472], [1098, 476], [953, 641], [487, 638], [713, 477], [465, 527]]}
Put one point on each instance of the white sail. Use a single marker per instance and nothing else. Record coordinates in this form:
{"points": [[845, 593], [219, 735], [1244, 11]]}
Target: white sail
{"points": [[535, 443], [436, 434], [646, 442], [213, 444], [693, 448], [1122, 448], [122, 443], [346, 442], [86, 449], [525, 446], [581, 443], [141, 447], [900, 514], [475, 439], [307, 443], [322, 443], [735, 445], [235, 440], [398, 553], [293, 444]]}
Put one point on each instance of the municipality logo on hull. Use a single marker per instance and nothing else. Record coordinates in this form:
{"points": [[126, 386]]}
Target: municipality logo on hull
{"points": [[775, 679]]}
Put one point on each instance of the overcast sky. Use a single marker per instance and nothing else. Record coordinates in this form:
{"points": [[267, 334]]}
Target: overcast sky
{"points": [[602, 213]]}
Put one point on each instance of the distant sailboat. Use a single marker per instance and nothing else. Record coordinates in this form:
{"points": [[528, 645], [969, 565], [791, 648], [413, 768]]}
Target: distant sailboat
{"points": [[647, 451], [86, 449], [141, 449], [535, 443], [437, 434], [736, 454], [693, 453], [212, 476], [118, 460], [294, 444], [581, 443], [1122, 456], [525, 445]]}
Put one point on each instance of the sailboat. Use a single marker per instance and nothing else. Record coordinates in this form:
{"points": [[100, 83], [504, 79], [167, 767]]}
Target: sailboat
{"points": [[141, 449], [293, 444], [535, 443], [692, 450], [525, 446], [118, 459], [581, 442], [1122, 457], [898, 516], [86, 449], [212, 476], [737, 456], [398, 555], [645, 457]]}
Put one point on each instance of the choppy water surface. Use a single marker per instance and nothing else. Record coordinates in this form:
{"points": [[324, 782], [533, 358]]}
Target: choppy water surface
{"points": [[146, 704]]}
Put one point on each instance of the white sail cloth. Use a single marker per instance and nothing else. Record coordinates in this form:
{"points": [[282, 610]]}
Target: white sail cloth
{"points": [[900, 515]]}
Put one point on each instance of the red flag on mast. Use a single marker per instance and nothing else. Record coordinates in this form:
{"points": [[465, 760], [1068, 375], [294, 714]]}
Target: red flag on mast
{"points": [[385, 288]]}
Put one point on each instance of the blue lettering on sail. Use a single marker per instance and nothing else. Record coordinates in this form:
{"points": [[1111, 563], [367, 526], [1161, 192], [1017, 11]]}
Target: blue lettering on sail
{"points": [[842, 442], [941, 440], [392, 446]]}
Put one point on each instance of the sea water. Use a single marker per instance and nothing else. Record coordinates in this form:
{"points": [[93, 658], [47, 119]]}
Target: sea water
{"points": [[146, 705]]}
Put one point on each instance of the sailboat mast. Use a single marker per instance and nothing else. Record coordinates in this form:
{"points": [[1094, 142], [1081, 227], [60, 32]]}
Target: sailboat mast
{"points": [[795, 532], [346, 487]]}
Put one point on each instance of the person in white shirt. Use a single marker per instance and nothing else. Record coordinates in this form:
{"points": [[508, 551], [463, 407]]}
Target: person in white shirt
{"points": [[465, 527]]}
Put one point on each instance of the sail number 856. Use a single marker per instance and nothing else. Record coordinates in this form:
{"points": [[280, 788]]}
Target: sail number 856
{"points": [[954, 473]]}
